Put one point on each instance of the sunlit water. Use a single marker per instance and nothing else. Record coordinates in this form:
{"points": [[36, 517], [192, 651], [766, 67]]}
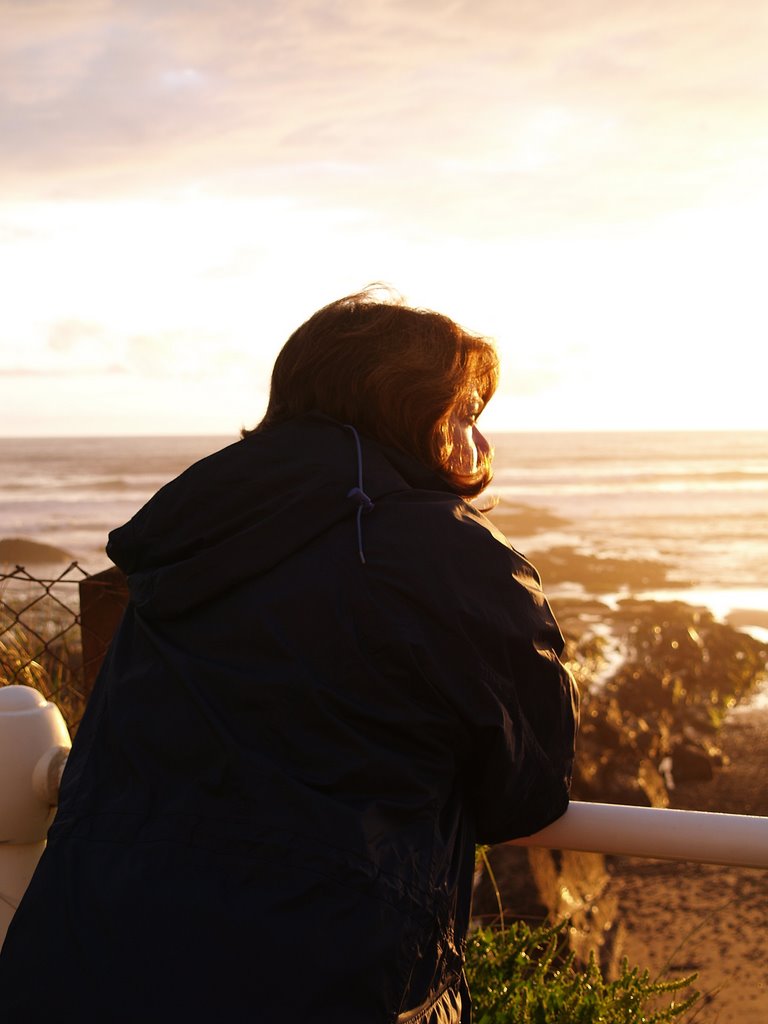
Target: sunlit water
{"points": [[697, 502]]}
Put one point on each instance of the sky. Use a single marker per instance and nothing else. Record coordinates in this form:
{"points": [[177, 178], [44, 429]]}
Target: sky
{"points": [[183, 183]]}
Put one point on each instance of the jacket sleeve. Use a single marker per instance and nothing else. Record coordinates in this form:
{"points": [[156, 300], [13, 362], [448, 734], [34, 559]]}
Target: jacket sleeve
{"points": [[522, 717], [495, 657]]}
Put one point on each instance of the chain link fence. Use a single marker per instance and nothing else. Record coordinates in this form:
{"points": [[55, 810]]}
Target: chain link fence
{"points": [[54, 631]]}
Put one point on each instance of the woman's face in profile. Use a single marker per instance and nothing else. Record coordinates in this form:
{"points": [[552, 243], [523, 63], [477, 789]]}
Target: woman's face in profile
{"points": [[468, 443]]}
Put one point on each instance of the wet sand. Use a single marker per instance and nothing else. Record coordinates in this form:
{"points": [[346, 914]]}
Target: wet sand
{"points": [[681, 918]]}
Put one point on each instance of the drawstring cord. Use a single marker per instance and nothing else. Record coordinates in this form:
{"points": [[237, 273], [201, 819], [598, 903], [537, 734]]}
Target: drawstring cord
{"points": [[358, 495]]}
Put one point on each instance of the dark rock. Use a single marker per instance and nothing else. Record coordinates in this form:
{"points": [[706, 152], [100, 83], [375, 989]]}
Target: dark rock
{"points": [[536, 884], [21, 551], [681, 673], [747, 617], [623, 787], [524, 520], [691, 762], [600, 574], [508, 889]]}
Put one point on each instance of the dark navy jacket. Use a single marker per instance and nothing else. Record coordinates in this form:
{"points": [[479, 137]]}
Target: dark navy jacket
{"points": [[307, 719]]}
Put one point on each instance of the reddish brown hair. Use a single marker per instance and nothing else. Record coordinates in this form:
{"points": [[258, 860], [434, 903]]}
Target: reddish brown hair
{"points": [[393, 372]]}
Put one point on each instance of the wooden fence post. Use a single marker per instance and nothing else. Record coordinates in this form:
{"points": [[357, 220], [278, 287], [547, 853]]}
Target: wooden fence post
{"points": [[103, 598]]}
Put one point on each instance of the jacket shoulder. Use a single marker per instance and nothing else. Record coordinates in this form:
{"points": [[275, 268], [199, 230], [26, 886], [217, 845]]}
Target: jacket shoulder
{"points": [[442, 542]]}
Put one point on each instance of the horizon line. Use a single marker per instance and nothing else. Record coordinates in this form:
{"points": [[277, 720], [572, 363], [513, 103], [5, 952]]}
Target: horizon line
{"points": [[491, 431]]}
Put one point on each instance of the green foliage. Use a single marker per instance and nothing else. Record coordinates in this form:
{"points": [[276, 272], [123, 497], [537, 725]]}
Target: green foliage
{"points": [[521, 975]]}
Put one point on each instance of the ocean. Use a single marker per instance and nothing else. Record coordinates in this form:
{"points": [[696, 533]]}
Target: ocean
{"points": [[695, 502]]}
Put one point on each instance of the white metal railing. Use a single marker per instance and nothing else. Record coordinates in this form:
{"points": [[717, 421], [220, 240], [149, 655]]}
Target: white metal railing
{"points": [[34, 744], [701, 836]]}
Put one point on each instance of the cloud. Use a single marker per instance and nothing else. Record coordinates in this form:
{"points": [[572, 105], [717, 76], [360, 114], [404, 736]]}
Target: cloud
{"points": [[61, 371], [76, 348], [505, 115], [183, 355], [66, 335]]}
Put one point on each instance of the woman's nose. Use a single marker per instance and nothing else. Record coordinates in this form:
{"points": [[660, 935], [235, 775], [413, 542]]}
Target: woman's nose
{"points": [[481, 442]]}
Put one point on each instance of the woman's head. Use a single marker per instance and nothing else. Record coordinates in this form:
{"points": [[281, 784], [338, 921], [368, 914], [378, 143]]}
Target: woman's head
{"points": [[410, 378]]}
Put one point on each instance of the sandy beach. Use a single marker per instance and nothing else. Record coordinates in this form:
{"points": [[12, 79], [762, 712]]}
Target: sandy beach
{"points": [[713, 920]]}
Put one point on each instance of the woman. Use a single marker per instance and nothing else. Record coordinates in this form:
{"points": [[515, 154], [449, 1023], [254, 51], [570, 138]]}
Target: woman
{"points": [[334, 678]]}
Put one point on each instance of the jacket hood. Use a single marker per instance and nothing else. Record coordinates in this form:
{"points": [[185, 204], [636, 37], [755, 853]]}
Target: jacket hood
{"points": [[244, 509]]}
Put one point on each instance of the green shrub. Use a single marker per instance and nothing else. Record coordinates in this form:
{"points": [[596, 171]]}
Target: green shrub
{"points": [[520, 975]]}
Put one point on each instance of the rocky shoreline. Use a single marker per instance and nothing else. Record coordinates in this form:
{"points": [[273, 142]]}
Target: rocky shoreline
{"points": [[23, 551], [664, 687], [653, 723], [671, 725], [683, 918]]}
